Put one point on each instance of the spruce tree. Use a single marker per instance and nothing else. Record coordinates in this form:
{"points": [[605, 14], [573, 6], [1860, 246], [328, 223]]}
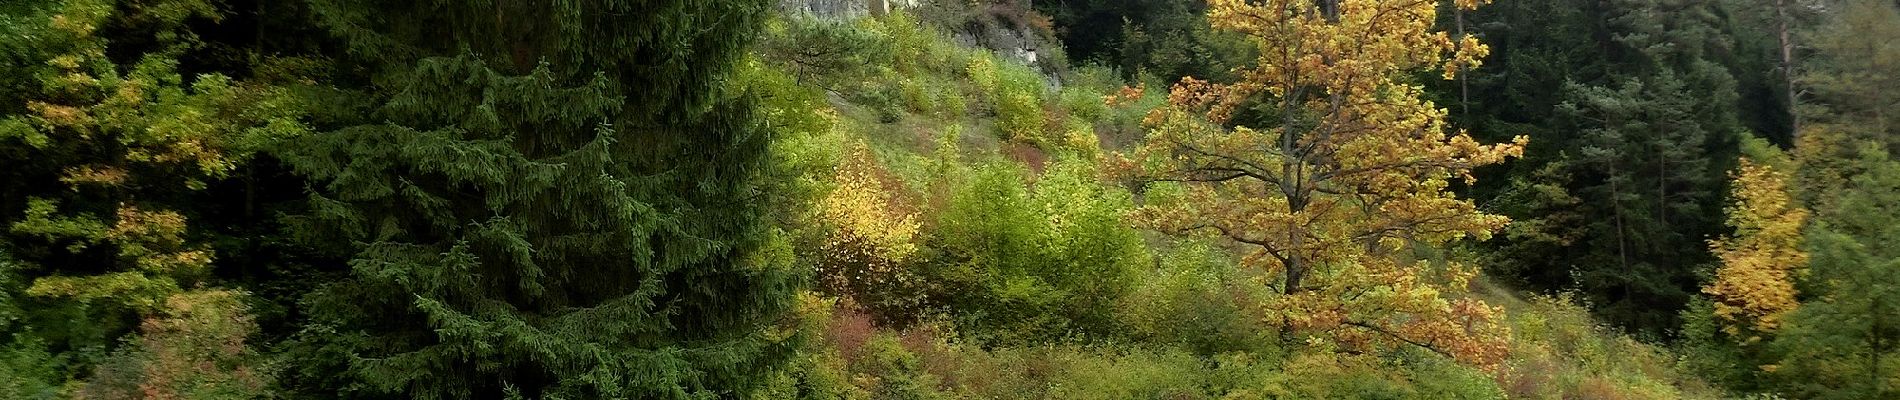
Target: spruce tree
{"points": [[1647, 154], [539, 200]]}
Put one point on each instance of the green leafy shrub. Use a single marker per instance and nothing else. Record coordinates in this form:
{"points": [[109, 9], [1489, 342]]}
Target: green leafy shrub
{"points": [[933, 96], [1070, 372], [820, 370], [1196, 299], [884, 98], [1038, 263], [195, 350], [1083, 103], [28, 369], [1014, 93], [917, 48], [1560, 351]]}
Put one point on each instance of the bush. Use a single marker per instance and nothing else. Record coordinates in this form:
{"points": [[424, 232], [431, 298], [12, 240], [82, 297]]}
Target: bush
{"points": [[821, 370], [917, 49], [869, 250], [1560, 351], [1032, 264], [883, 97], [1196, 299], [1083, 103], [28, 370], [195, 350], [1014, 93], [1072, 372], [932, 96]]}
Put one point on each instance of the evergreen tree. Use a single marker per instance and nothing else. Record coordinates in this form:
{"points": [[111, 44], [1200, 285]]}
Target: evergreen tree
{"points": [[1633, 107], [1853, 72], [1844, 341], [1167, 38], [540, 200], [1649, 175], [1537, 47]]}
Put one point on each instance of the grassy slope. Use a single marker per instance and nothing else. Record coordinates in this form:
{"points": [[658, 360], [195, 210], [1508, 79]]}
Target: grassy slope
{"points": [[1190, 334]]}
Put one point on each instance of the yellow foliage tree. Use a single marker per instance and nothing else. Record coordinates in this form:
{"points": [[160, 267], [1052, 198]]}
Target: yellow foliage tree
{"points": [[1754, 287], [868, 241], [1348, 175]]}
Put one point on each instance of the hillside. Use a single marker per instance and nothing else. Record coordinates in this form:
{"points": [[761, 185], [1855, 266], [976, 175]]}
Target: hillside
{"points": [[949, 199], [973, 154]]}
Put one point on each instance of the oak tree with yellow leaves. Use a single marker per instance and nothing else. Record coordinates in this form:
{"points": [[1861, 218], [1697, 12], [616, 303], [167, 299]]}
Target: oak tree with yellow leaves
{"points": [[1349, 173]]}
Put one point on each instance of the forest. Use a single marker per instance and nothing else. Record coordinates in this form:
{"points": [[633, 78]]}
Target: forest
{"points": [[949, 199]]}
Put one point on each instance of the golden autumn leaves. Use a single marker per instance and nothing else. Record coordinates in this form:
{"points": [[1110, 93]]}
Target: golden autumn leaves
{"points": [[1754, 287], [871, 242], [1342, 180]]}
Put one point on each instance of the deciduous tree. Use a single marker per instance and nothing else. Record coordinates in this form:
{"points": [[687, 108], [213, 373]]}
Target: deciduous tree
{"points": [[1754, 286], [108, 145], [1348, 170]]}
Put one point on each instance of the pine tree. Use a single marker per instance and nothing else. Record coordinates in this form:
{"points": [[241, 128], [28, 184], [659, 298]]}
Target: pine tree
{"points": [[1634, 109], [1852, 73], [541, 200], [1848, 82], [1538, 47], [1635, 106], [1647, 168]]}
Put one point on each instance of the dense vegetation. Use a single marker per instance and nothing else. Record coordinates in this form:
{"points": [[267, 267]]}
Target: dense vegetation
{"points": [[1084, 199]]}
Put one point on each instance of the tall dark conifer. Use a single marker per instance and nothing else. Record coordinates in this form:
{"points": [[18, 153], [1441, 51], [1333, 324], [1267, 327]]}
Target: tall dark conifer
{"points": [[1632, 106], [541, 199], [1654, 145]]}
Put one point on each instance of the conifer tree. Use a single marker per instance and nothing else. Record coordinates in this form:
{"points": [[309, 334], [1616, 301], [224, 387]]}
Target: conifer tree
{"points": [[540, 200], [1853, 71], [1844, 341], [1645, 132], [1633, 107]]}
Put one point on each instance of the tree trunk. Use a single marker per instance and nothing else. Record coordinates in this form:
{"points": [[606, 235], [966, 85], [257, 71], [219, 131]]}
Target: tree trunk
{"points": [[1787, 67], [1616, 205], [1464, 84], [1873, 355], [1662, 183]]}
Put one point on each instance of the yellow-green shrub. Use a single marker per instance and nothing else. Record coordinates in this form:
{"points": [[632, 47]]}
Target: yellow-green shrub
{"points": [[1014, 92], [1559, 352], [868, 251]]}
